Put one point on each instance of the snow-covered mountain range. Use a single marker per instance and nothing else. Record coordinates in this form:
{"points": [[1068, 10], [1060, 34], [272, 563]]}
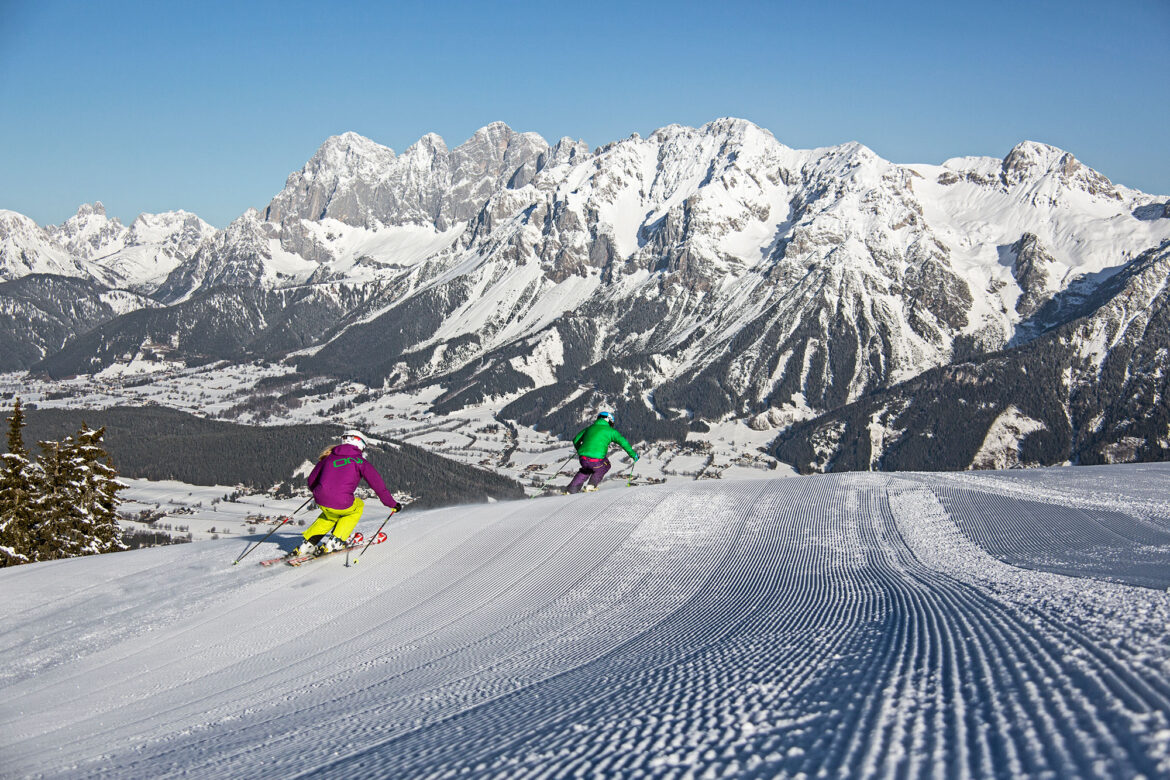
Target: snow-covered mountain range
{"points": [[92, 245], [690, 276]]}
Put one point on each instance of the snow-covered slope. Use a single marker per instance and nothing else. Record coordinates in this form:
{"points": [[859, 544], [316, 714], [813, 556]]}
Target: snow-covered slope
{"points": [[853, 625]]}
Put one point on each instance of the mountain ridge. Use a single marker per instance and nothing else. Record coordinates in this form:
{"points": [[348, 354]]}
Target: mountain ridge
{"points": [[697, 274]]}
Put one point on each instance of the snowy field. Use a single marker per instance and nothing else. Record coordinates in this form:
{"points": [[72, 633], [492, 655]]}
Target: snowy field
{"points": [[204, 511], [913, 625], [731, 450]]}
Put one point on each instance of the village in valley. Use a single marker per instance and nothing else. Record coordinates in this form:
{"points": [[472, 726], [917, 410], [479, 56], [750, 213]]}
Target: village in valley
{"points": [[265, 393]]}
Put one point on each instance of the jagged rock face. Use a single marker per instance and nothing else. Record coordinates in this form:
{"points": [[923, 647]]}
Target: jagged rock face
{"points": [[1029, 161], [89, 233], [1031, 272], [343, 163], [358, 182]]}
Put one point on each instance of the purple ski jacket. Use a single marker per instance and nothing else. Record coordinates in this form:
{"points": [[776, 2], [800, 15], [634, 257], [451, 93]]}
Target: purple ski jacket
{"points": [[336, 476]]}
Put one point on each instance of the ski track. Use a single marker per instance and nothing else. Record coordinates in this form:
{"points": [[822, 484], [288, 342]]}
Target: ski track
{"points": [[868, 625]]}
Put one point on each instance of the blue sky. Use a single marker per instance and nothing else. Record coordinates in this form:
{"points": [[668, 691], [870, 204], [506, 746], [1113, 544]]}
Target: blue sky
{"points": [[208, 106]]}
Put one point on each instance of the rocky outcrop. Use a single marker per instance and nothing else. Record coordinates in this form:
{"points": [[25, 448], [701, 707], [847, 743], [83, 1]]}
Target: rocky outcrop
{"points": [[1032, 271], [358, 182]]}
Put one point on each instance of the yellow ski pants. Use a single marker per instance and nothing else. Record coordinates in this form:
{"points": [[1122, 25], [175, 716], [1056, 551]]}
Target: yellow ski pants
{"points": [[339, 522]]}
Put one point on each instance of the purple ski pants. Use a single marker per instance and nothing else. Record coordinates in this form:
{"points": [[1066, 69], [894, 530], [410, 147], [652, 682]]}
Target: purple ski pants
{"points": [[593, 469]]}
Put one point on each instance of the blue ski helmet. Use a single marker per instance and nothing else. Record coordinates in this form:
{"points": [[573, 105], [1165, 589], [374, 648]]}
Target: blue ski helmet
{"points": [[607, 416]]}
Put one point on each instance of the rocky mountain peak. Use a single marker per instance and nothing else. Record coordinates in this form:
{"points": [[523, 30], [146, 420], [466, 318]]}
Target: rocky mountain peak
{"points": [[734, 126], [569, 152], [344, 162], [176, 217], [11, 221], [359, 182], [90, 233], [27, 248], [1028, 156], [250, 223], [430, 146], [340, 151], [87, 209], [178, 232], [1031, 161]]}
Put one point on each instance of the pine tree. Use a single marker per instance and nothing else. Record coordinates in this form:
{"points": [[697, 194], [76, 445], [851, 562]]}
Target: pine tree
{"points": [[59, 531], [98, 497], [64, 505], [77, 509], [19, 493]]}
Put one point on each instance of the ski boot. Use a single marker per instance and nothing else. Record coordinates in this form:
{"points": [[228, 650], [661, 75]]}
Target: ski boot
{"points": [[304, 548], [589, 489], [329, 543]]}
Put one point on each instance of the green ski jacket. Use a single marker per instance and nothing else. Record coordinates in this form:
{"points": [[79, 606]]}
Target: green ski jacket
{"points": [[594, 441]]}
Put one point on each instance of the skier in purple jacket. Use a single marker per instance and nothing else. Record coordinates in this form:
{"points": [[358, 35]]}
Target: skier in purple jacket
{"points": [[339, 470]]}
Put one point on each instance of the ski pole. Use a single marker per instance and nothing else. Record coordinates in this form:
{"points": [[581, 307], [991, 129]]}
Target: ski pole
{"points": [[372, 538], [274, 530], [630, 476], [557, 472]]}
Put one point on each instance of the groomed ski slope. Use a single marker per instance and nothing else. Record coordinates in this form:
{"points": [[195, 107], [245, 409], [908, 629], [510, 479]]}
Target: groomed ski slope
{"points": [[912, 625]]}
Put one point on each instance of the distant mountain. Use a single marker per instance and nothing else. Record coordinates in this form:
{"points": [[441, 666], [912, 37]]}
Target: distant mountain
{"points": [[1090, 391], [355, 208], [692, 276], [230, 322], [41, 313], [93, 246], [26, 248]]}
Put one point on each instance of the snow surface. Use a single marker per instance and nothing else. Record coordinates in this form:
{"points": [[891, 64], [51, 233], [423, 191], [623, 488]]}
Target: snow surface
{"points": [[859, 625]]}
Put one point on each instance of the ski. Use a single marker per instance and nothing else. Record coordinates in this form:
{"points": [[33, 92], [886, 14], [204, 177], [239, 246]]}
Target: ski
{"points": [[355, 542]]}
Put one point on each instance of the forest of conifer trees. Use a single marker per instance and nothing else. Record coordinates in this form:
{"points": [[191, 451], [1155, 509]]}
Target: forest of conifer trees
{"points": [[62, 503]]}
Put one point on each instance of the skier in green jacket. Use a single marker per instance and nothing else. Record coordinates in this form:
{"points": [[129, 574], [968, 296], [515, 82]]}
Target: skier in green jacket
{"points": [[593, 448]]}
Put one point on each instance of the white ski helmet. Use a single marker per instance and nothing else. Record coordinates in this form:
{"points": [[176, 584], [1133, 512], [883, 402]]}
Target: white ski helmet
{"points": [[607, 416], [356, 438]]}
